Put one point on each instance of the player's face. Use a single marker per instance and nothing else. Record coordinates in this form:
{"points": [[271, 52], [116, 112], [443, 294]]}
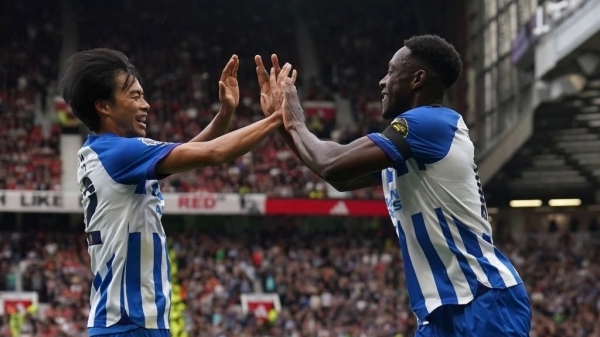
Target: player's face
{"points": [[129, 110], [397, 90]]}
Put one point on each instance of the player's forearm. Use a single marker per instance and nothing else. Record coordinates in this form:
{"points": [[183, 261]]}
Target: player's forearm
{"points": [[318, 155], [217, 127], [287, 138], [290, 142], [190, 156], [237, 143]]}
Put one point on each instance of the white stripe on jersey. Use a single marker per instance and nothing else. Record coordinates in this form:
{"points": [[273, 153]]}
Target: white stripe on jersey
{"points": [[459, 280], [125, 300], [146, 272], [475, 266], [114, 294], [166, 287], [423, 271]]}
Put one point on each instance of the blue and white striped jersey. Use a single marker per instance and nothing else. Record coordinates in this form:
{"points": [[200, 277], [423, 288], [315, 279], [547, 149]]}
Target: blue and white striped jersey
{"points": [[127, 244], [438, 209]]}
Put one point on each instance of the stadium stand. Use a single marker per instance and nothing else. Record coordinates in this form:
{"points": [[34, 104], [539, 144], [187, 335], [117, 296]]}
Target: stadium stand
{"points": [[355, 57], [344, 282], [29, 150]]}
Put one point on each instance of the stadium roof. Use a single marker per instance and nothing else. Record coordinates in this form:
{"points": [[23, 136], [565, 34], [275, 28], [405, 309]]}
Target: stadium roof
{"points": [[562, 158]]}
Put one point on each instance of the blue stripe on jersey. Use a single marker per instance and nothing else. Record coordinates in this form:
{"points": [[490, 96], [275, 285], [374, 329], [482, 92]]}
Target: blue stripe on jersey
{"points": [[124, 317], [140, 188], [508, 265], [159, 297], [133, 279], [462, 260], [97, 282], [487, 238], [471, 243], [503, 259], [100, 315], [440, 273], [415, 294]]}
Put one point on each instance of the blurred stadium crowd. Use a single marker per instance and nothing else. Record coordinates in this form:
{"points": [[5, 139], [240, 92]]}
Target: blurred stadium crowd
{"points": [[28, 54], [333, 284]]}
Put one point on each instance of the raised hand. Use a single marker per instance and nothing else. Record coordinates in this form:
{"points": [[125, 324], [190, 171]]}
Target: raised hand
{"points": [[229, 91], [291, 109], [271, 94]]}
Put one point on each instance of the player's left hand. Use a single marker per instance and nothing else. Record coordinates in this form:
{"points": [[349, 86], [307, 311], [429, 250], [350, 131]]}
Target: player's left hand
{"points": [[229, 91], [293, 114], [271, 93]]}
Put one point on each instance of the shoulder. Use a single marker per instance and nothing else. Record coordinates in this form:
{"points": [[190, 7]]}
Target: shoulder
{"points": [[426, 122], [429, 131], [430, 116], [116, 144]]}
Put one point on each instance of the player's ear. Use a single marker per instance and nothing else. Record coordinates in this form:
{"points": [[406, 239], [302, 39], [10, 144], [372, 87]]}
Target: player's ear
{"points": [[102, 106], [419, 79]]}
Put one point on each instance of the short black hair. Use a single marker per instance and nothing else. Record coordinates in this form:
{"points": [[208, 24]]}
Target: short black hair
{"points": [[438, 55], [91, 75]]}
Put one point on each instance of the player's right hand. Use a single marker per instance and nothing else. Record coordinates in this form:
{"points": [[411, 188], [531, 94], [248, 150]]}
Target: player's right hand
{"points": [[293, 114], [271, 92]]}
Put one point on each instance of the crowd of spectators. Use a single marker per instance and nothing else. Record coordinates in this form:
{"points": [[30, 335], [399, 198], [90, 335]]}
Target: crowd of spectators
{"points": [[352, 59], [345, 282], [29, 153]]}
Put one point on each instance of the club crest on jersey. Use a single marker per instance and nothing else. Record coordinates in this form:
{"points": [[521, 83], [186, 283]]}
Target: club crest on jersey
{"points": [[400, 125], [151, 142]]}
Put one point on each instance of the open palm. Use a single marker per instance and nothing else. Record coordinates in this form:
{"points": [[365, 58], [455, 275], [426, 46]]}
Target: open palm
{"points": [[271, 92], [229, 91]]}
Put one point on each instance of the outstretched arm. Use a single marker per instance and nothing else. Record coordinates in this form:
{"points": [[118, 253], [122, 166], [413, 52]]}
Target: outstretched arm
{"points": [[338, 163], [342, 173], [229, 95], [334, 162], [189, 156], [271, 100]]}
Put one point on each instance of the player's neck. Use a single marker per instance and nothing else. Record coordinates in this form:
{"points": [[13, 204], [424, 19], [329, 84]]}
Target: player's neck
{"points": [[425, 98], [106, 130], [108, 127]]}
